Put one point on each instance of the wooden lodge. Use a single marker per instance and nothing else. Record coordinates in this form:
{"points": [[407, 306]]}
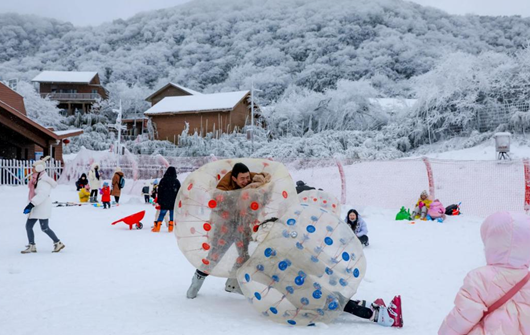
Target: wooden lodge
{"points": [[73, 90]]}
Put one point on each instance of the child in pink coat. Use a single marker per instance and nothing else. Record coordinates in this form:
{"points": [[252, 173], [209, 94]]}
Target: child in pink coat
{"points": [[436, 211], [506, 238]]}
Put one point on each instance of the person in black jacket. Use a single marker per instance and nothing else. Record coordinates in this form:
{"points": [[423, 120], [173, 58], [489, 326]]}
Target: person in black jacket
{"points": [[167, 194], [81, 182], [301, 187]]}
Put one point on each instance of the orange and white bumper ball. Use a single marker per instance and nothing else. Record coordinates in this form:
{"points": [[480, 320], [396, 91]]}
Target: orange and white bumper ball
{"points": [[321, 199], [214, 227]]}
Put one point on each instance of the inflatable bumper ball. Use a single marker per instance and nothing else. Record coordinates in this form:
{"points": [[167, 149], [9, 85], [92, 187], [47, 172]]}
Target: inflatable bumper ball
{"points": [[320, 199], [214, 227], [306, 270]]}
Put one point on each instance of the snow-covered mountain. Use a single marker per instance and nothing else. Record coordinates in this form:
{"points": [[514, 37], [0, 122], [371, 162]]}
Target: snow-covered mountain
{"points": [[318, 63], [220, 45]]}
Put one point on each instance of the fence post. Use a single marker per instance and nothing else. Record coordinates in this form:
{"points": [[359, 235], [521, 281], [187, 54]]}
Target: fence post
{"points": [[430, 176], [526, 163], [343, 181]]}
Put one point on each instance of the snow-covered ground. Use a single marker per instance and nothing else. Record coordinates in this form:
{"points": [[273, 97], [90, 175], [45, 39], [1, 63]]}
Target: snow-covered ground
{"points": [[109, 280]]}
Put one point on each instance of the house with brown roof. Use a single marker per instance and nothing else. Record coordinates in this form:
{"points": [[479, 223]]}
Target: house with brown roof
{"points": [[170, 90], [216, 113], [73, 90], [21, 137]]}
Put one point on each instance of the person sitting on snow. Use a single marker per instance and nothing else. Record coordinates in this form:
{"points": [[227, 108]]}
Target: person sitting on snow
{"points": [[238, 227], [84, 193], [357, 224], [422, 206], [81, 182], [436, 211]]}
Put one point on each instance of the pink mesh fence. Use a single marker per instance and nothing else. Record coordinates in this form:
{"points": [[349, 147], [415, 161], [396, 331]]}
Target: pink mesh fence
{"points": [[482, 187]]}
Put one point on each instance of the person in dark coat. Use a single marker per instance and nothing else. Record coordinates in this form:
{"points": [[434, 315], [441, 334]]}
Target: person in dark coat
{"points": [[81, 182], [301, 187], [167, 194]]}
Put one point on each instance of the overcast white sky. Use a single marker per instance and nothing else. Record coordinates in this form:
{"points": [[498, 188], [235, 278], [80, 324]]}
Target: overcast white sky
{"points": [[95, 12]]}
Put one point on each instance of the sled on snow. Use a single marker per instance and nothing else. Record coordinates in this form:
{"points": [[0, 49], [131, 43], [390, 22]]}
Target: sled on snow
{"points": [[132, 220]]}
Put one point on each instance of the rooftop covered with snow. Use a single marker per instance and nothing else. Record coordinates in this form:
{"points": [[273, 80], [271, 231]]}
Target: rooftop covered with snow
{"points": [[61, 134], [180, 87], [65, 77], [196, 103]]}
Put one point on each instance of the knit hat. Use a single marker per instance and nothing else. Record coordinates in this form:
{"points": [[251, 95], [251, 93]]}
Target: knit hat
{"points": [[424, 193], [118, 169], [105, 184], [41, 165]]}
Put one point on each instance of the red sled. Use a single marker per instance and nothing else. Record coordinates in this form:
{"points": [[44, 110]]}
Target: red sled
{"points": [[132, 220]]}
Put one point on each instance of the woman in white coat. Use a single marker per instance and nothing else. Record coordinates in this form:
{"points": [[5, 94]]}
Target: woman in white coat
{"points": [[94, 180], [40, 207]]}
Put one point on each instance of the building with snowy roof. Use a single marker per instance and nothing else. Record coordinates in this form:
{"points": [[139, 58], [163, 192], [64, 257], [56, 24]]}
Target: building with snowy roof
{"points": [[170, 90], [73, 90], [215, 113], [23, 138]]}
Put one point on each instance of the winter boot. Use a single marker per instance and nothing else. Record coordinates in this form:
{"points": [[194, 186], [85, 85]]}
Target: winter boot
{"points": [[58, 246], [29, 249], [232, 286], [170, 226], [390, 316], [378, 303], [156, 228], [196, 283], [394, 309]]}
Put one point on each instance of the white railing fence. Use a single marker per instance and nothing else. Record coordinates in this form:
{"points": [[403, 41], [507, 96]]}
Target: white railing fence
{"points": [[17, 172]]}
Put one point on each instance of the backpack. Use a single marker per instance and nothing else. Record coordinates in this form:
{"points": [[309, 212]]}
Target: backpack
{"points": [[121, 183], [449, 209]]}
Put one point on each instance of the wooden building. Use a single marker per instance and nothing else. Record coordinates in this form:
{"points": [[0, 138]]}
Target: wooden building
{"points": [[73, 90], [135, 126], [21, 137], [205, 113], [170, 90]]}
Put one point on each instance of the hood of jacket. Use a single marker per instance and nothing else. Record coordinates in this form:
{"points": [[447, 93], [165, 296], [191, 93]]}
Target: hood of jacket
{"points": [[506, 237]]}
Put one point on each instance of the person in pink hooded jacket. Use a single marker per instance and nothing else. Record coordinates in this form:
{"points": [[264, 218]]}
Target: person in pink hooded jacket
{"points": [[436, 211], [506, 237]]}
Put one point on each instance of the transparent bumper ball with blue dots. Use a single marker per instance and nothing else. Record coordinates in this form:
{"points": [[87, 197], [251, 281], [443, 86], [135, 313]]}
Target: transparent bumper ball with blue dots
{"points": [[214, 227], [306, 270], [321, 199]]}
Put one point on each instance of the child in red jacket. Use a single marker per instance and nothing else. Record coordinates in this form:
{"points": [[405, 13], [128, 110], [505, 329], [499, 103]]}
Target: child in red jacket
{"points": [[105, 195]]}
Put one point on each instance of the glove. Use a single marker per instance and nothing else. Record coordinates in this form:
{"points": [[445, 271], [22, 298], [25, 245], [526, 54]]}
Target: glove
{"points": [[28, 208]]}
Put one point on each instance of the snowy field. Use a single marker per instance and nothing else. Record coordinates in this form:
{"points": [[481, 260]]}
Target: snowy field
{"points": [[109, 280]]}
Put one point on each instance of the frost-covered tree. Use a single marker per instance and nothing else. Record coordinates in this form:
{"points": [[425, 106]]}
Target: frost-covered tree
{"points": [[42, 110]]}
